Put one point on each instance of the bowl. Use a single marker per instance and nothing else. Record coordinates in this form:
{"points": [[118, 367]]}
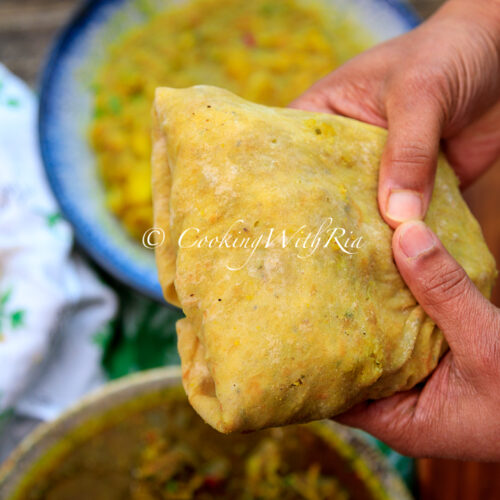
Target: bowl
{"points": [[66, 110], [360, 468]]}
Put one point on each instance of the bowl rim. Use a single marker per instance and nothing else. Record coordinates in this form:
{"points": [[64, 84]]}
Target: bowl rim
{"points": [[372, 465], [132, 277], [33, 447]]}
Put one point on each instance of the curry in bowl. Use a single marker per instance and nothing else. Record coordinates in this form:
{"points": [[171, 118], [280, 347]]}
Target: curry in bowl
{"points": [[267, 51], [139, 439]]}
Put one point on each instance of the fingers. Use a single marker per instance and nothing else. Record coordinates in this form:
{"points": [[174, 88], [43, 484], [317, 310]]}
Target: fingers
{"points": [[420, 422], [414, 422], [390, 419], [409, 160], [475, 148], [317, 97], [351, 90], [446, 293], [312, 101]]}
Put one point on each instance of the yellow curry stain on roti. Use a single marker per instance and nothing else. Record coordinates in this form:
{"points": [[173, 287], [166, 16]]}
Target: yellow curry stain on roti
{"points": [[284, 339], [267, 51]]}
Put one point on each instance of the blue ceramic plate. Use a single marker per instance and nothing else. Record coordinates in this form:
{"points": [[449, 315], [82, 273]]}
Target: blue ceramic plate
{"points": [[66, 110]]}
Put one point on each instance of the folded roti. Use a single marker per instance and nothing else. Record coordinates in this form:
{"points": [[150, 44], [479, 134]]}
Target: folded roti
{"points": [[284, 330]]}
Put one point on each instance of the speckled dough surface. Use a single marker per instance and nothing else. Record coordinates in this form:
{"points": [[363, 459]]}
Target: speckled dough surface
{"points": [[286, 334]]}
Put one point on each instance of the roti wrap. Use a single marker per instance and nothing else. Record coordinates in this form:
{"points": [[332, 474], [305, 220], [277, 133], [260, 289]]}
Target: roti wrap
{"points": [[289, 327]]}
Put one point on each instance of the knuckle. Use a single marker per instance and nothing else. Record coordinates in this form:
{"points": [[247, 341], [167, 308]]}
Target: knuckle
{"points": [[414, 84], [446, 285], [414, 155], [420, 87], [354, 89], [425, 79], [417, 79]]}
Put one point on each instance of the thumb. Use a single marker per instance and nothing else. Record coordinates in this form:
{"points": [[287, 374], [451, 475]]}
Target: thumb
{"points": [[409, 160], [443, 289]]}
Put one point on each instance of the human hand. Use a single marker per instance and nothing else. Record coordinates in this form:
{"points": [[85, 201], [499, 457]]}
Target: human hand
{"points": [[441, 80], [456, 413]]}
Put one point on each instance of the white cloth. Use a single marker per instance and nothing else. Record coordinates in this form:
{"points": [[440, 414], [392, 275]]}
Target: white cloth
{"points": [[52, 305]]}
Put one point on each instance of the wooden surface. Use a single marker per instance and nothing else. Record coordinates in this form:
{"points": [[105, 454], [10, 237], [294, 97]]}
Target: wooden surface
{"points": [[26, 30]]}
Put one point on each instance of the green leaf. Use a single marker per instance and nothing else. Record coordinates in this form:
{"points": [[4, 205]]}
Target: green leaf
{"points": [[13, 102], [103, 337], [17, 318], [144, 336]]}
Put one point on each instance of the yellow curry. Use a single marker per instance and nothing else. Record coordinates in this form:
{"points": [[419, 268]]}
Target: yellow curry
{"points": [[267, 51]]}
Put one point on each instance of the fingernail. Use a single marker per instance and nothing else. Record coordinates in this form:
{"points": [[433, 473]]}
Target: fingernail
{"points": [[416, 239], [404, 205]]}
